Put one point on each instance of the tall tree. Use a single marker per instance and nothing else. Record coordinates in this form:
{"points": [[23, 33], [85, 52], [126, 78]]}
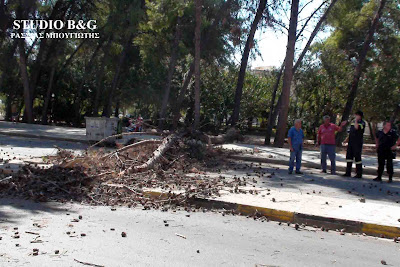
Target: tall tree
{"points": [[171, 70], [296, 65], [100, 72], [245, 57], [181, 96], [113, 88], [358, 70], [25, 81], [287, 74], [198, 4], [87, 72], [273, 112]]}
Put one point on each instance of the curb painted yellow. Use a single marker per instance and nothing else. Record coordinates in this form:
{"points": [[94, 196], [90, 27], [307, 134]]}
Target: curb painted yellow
{"points": [[377, 230], [277, 215], [287, 216]]}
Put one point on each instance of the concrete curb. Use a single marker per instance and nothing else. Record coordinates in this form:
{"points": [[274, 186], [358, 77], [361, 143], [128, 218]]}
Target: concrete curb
{"points": [[370, 171], [293, 217]]}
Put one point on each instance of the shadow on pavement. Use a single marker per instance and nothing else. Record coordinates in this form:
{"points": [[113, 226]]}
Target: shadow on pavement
{"points": [[9, 205], [333, 185]]}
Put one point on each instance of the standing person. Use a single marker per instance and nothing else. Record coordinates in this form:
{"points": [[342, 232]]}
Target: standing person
{"points": [[327, 141], [14, 113], [354, 148], [295, 140], [385, 141]]}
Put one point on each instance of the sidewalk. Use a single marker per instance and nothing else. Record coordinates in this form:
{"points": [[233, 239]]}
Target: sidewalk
{"points": [[310, 159], [331, 201]]}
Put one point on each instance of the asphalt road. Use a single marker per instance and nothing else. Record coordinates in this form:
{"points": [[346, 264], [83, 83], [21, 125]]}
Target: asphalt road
{"points": [[200, 239]]}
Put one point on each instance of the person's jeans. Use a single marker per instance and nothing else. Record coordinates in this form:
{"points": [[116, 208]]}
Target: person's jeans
{"points": [[329, 150], [295, 155]]}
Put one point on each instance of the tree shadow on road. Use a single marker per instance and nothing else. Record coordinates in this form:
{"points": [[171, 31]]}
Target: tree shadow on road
{"points": [[14, 209]]}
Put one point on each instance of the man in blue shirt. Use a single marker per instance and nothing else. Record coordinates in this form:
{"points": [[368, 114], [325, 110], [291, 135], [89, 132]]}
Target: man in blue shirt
{"points": [[295, 140]]}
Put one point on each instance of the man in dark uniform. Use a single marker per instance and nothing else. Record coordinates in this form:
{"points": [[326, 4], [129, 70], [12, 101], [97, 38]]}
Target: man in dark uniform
{"points": [[354, 149], [386, 145]]}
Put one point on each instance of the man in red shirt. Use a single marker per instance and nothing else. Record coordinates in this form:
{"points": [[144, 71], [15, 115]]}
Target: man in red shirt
{"points": [[327, 141]]}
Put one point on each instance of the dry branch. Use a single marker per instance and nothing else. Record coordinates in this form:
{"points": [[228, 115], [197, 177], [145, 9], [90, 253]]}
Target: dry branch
{"points": [[141, 143], [120, 135], [166, 144]]}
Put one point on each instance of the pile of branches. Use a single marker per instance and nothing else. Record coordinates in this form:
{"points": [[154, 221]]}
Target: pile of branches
{"points": [[125, 176]]}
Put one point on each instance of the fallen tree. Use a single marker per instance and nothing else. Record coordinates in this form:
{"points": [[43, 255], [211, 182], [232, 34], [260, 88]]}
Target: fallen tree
{"points": [[128, 175], [157, 154]]}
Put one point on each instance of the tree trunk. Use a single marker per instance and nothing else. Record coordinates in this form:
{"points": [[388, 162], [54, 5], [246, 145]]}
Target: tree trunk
{"points": [[358, 70], [8, 111], [171, 70], [219, 17], [78, 99], [287, 75], [371, 131], [272, 112], [197, 65], [109, 99], [48, 95], [99, 78], [245, 58], [25, 81], [182, 93], [116, 110]]}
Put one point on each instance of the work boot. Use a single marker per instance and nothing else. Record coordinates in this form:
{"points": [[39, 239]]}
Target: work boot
{"points": [[358, 171], [378, 179], [348, 169]]}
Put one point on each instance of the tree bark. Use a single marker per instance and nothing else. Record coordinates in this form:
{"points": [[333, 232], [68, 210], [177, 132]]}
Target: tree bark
{"points": [[358, 70], [287, 75], [245, 58], [273, 112], [99, 78], [48, 95], [25, 81], [171, 70], [197, 65], [109, 99]]}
